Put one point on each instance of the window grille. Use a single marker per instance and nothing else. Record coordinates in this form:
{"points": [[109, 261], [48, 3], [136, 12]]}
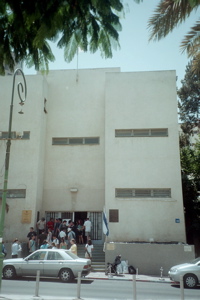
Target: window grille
{"points": [[14, 193], [75, 141], [25, 135], [143, 193], [155, 132]]}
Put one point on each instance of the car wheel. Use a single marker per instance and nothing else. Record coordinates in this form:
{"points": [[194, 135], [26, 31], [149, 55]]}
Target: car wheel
{"points": [[66, 275], [9, 272], [190, 281]]}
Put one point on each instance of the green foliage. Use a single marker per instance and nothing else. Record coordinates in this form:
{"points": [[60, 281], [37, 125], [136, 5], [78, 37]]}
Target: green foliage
{"points": [[189, 101], [190, 165], [27, 26], [168, 15]]}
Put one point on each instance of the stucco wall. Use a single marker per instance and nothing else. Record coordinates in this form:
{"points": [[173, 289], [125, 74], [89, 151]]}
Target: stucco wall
{"points": [[143, 100], [76, 108], [26, 156], [149, 258], [93, 103]]}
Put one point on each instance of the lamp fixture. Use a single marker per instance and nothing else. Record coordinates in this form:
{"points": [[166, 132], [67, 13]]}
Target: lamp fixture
{"points": [[73, 190]]}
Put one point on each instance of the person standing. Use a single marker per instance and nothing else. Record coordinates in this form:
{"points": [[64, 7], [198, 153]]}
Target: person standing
{"points": [[71, 235], [16, 248], [63, 225], [62, 234], [55, 241], [31, 233], [63, 244], [32, 244], [50, 224], [41, 225], [80, 232], [87, 226], [45, 245], [56, 226], [49, 236], [89, 248], [73, 248], [4, 251], [53, 245], [41, 238]]}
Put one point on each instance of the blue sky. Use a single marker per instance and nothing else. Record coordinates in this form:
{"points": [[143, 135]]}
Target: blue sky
{"points": [[136, 52]]}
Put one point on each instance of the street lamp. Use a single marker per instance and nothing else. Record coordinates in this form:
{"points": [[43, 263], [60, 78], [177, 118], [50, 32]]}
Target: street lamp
{"points": [[22, 91]]}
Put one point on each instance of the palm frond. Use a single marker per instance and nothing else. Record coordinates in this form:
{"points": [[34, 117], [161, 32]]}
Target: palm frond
{"points": [[168, 15], [196, 64], [191, 42]]}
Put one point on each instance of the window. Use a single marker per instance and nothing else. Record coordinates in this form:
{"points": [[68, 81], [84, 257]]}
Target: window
{"points": [[25, 135], [113, 215], [14, 193], [75, 141], [155, 132], [143, 193], [38, 256], [54, 256]]}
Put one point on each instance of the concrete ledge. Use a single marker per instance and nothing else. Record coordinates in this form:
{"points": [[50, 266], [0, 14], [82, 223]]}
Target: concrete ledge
{"points": [[148, 258]]}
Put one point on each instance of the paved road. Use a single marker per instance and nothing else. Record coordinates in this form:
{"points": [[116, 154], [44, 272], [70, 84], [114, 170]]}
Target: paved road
{"points": [[96, 289]]}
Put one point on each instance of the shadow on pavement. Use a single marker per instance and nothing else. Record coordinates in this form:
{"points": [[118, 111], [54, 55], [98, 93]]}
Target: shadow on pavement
{"points": [[178, 286], [56, 280]]}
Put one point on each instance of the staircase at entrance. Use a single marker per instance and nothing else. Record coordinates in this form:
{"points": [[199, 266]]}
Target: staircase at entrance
{"points": [[98, 257]]}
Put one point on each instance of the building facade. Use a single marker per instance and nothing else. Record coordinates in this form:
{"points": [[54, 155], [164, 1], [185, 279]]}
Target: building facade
{"points": [[90, 140]]}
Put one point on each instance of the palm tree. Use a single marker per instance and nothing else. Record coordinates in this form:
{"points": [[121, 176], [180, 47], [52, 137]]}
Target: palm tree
{"points": [[168, 15]]}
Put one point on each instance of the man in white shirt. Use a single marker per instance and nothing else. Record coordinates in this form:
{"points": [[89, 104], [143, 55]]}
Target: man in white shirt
{"points": [[16, 248], [87, 226], [62, 234]]}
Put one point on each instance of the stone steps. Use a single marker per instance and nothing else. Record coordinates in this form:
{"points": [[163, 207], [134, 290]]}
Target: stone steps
{"points": [[98, 257]]}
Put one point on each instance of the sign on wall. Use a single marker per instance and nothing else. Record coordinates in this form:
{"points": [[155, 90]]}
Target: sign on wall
{"points": [[26, 216]]}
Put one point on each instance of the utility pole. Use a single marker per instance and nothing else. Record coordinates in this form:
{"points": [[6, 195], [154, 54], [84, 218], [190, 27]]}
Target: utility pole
{"points": [[22, 90]]}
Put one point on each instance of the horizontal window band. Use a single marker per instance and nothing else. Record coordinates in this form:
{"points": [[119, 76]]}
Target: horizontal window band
{"points": [[25, 135], [75, 141], [15, 193], [143, 193], [154, 132]]}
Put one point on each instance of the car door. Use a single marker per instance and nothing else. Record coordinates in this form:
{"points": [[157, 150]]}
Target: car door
{"points": [[33, 263], [53, 263]]}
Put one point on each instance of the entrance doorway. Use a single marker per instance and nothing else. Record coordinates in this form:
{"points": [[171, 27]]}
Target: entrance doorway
{"points": [[80, 215], [95, 218]]}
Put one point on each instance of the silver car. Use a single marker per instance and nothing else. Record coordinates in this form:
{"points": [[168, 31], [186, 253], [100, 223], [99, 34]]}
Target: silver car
{"points": [[50, 262], [189, 271]]}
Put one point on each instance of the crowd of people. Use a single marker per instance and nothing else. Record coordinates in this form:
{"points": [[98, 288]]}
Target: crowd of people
{"points": [[57, 234]]}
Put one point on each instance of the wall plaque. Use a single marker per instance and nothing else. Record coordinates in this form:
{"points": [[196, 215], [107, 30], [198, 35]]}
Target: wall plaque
{"points": [[26, 216]]}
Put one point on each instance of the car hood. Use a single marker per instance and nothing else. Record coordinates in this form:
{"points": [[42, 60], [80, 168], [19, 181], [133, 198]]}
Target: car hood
{"points": [[12, 260], [181, 266]]}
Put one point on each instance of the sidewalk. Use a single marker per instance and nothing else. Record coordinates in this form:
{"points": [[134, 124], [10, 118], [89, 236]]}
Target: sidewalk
{"points": [[92, 276], [144, 278]]}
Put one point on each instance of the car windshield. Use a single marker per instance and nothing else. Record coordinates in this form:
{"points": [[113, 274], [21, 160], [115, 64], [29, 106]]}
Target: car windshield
{"points": [[196, 260], [72, 255]]}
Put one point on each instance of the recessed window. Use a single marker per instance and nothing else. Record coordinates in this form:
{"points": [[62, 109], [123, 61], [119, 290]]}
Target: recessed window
{"points": [[143, 193], [25, 135], [21, 193], [154, 132], [75, 141]]}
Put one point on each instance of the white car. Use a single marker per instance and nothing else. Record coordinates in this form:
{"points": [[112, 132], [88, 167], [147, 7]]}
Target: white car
{"points": [[50, 262], [189, 271]]}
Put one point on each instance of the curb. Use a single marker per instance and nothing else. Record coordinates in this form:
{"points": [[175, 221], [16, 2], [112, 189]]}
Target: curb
{"points": [[130, 279]]}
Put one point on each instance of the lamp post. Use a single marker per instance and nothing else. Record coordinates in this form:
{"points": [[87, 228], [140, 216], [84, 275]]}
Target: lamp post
{"points": [[22, 91]]}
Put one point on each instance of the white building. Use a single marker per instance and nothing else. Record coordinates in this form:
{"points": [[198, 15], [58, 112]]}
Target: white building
{"points": [[96, 139]]}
